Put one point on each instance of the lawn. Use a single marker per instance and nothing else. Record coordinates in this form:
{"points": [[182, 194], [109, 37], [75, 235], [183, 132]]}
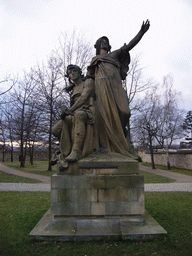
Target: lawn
{"points": [[20, 212], [154, 178], [173, 169], [9, 178], [40, 167]]}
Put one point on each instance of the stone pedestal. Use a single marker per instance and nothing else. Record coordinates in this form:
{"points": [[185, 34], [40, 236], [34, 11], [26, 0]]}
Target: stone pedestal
{"points": [[100, 196]]}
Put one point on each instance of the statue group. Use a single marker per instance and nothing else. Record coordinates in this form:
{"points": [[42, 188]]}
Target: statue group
{"points": [[98, 115]]}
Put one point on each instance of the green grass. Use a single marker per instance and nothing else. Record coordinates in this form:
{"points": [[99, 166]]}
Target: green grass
{"points": [[39, 167], [10, 178], [20, 212], [154, 178], [173, 169]]}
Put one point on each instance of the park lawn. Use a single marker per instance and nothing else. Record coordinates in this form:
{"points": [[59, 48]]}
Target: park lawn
{"points": [[10, 178], [38, 167], [154, 178], [173, 169], [20, 212]]}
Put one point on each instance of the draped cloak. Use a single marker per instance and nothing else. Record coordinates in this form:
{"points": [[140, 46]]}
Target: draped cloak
{"points": [[112, 106]]}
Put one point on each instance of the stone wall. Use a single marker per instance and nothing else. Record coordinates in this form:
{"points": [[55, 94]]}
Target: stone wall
{"points": [[178, 159]]}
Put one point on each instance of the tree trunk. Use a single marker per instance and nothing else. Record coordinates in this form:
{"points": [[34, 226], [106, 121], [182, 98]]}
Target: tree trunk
{"points": [[168, 163], [49, 152], [22, 158], [50, 132], [11, 151], [4, 152], [152, 157], [31, 149], [128, 130]]}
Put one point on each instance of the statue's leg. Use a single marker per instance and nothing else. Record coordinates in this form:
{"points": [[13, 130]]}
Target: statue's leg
{"points": [[80, 119], [57, 128], [65, 139], [56, 131]]}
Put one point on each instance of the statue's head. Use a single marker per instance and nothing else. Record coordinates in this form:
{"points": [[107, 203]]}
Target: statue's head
{"points": [[71, 67], [71, 77], [98, 44]]}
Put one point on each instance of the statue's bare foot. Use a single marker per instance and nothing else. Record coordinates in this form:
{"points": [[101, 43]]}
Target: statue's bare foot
{"points": [[54, 159], [63, 162], [74, 156]]}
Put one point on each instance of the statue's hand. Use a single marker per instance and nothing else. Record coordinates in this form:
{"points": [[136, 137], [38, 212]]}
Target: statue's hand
{"points": [[145, 26], [65, 112]]}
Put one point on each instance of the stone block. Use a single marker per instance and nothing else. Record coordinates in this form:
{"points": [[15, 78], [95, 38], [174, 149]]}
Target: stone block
{"points": [[104, 228], [97, 181], [98, 227], [109, 163], [98, 208], [91, 202], [64, 195], [87, 195], [140, 195], [118, 208], [137, 208], [71, 208], [105, 195], [119, 194]]}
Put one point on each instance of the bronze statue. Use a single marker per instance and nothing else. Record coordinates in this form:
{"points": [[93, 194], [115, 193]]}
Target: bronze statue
{"points": [[108, 69], [75, 128]]}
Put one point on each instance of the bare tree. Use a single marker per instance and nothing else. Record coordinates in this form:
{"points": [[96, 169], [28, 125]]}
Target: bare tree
{"points": [[159, 120], [7, 110], [74, 49], [135, 84], [21, 98], [52, 81], [7, 83], [146, 123], [49, 92], [3, 134], [170, 127]]}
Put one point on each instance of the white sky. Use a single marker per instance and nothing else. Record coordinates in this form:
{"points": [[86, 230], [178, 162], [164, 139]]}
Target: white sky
{"points": [[29, 30]]}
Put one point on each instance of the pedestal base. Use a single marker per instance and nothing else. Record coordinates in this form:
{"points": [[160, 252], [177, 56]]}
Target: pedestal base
{"points": [[86, 229], [99, 197]]}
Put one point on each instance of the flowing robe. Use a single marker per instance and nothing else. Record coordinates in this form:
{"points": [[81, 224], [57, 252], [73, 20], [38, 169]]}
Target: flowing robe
{"points": [[112, 106]]}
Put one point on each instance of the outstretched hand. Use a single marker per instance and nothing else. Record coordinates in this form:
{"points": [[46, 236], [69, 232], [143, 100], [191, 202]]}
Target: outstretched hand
{"points": [[145, 26]]}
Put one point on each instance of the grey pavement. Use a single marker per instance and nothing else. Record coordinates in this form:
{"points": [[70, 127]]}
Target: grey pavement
{"points": [[33, 187], [183, 183], [24, 187]]}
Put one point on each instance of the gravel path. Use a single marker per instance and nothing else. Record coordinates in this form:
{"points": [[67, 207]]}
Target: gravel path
{"points": [[13, 171], [169, 187], [31, 187], [162, 187]]}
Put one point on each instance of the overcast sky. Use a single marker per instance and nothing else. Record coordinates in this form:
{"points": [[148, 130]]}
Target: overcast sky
{"points": [[29, 30]]}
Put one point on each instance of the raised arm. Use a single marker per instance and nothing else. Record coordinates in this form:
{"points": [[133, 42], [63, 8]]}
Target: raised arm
{"points": [[137, 38]]}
